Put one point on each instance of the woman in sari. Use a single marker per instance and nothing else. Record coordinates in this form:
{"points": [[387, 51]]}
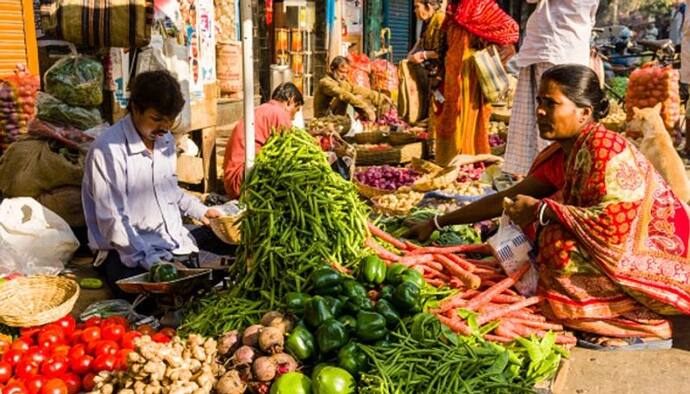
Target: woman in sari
{"points": [[462, 124], [612, 237]]}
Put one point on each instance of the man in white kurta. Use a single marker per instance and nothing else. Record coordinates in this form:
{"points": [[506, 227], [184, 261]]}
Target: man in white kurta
{"points": [[558, 32]]}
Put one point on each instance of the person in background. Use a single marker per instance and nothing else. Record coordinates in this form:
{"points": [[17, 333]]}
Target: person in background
{"points": [[336, 93], [650, 31], [613, 239], [286, 101], [132, 203], [462, 124], [675, 29], [557, 32]]}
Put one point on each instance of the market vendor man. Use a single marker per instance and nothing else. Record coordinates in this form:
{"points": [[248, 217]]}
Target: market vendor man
{"points": [[286, 102], [336, 93], [613, 239], [132, 203]]}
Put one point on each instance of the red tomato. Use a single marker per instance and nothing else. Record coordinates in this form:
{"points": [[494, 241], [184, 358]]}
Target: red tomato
{"points": [[104, 363], [160, 338], [34, 384], [113, 331], [168, 332], [29, 332], [122, 358], [121, 320], [87, 382], [54, 386], [73, 383], [5, 371], [81, 365], [106, 348], [146, 329], [75, 336], [77, 351], [61, 350], [54, 366], [91, 334], [127, 340], [49, 338], [21, 344], [14, 388], [12, 356], [93, 322], [25, 369], [67, 324], [35, 354]]}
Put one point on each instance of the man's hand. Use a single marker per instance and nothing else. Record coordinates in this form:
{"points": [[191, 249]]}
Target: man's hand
{"points": [[417, 57], [370, 114], [210, 214], [421, 230], [522, 211]]}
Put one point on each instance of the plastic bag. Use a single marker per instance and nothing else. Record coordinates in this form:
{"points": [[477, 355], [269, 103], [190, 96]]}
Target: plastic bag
{"points": [[76, 80], [36, 240], [512, 249], [107, 308], [68, 136], [51, 109]]}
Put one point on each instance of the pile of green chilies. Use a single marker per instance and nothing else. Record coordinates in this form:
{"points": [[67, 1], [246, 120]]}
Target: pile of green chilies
{"points": [[218, 313], [300, 214]]}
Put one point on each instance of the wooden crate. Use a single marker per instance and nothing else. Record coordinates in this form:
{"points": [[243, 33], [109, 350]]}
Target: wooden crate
{"points": [[395, 155]]}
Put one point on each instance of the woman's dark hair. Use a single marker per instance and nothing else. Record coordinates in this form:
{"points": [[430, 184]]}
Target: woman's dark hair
{"points": [[581, 85], [337, 61], [157, 90], [288, 91]]}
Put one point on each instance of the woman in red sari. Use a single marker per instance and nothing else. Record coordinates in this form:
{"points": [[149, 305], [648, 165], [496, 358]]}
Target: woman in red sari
{"points": [[612, 237]]}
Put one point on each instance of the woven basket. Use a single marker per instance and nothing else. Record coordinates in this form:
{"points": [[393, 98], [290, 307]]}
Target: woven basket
{"points": [[372, 137], [227, 228], [425, 167], [401, 138], [498, 150], [36, 300], [369, 192], [436, 181]]}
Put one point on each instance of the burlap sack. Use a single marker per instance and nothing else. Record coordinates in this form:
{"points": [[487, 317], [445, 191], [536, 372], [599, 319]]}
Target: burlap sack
{"points": [[66, 202]]}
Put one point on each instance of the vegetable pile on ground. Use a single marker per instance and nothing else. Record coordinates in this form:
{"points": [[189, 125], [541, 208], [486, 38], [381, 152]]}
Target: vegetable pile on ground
{"points": [[254, 358], [652, 84], [300, 214], [176, 367], [484, 298], [386, 177], [64, 357], [17, 98]]}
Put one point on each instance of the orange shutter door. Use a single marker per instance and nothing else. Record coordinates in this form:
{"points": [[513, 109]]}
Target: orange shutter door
{"points": [[17, 36]]}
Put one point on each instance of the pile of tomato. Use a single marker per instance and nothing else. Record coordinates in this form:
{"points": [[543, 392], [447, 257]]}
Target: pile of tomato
{"points": [[64, 357]]}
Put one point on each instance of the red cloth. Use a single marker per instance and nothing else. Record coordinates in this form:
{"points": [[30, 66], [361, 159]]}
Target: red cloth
{"points": [[550, 169], [267, 117], [486, 20]]}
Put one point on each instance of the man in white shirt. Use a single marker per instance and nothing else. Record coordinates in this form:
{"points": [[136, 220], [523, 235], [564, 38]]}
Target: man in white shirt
{"points": [[558, 32], [675, 32]]}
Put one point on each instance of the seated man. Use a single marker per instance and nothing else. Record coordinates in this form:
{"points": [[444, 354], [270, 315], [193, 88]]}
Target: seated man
{"points": [[335, 93], [286, 101], [133, 205]]}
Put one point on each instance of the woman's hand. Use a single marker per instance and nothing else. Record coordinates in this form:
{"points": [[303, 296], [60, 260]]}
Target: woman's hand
{"points": [[210, 214], [417, 57], [421, 230], [522, 211]]}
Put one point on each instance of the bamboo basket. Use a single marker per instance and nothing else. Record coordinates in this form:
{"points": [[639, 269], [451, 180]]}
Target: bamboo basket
{"points": [[370, 192], [425, 167], [401, 138], [36, 300], [394, 155], [227, 228], [431, 182], [369, 137]]}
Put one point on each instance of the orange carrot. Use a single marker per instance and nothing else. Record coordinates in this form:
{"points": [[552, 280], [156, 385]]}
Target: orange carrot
{"points": [[432, 273], [456, 283], [474, 248], [384, 236], [488, 261], [435, 282], [526, 332], [471, 280], [506, 299], [416, 259], [462, 263], [381, 251], [535, 324], [411, 246], [432, 264], [455, 325], [523, 314], [496, 289], [498, 338], [495, 314]]}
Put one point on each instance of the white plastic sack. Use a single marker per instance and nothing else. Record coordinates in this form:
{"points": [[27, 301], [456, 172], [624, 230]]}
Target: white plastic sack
{"points": [[512, 249], [33, 239]]}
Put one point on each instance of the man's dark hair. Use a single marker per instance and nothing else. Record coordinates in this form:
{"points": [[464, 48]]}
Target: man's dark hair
{"points": [[288, 91], [157, 90], [337, 61], [581, 85]]}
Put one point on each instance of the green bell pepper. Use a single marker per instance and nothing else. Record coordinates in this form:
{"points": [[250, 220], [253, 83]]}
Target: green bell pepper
{"points": [[316, 311], [163, 272], [386, 292], [349, 322], [373, 270], [371, 326], [385, 309], [300, 343], [331, 336], [353, 289], [414, 276], [326, 281], [295, 301], [406, 297], [352, 359], [394, 274], [335, 305]]}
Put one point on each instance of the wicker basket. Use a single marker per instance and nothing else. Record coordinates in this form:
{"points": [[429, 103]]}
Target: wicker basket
{"points": [[425, 167], [227, 228], [401, 138], [369, 137], [36, 300], [369, 192], [431, 182]]}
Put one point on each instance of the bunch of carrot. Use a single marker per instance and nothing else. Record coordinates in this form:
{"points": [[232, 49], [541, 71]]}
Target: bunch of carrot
{"points": [[483, 289]]}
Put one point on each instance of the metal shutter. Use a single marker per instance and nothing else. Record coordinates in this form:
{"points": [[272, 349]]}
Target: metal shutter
{"points": [[399, 18], [17, 36]]}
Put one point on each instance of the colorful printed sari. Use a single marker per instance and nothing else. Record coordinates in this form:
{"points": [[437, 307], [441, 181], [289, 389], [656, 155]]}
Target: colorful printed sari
{"points": [[618, 257]]}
